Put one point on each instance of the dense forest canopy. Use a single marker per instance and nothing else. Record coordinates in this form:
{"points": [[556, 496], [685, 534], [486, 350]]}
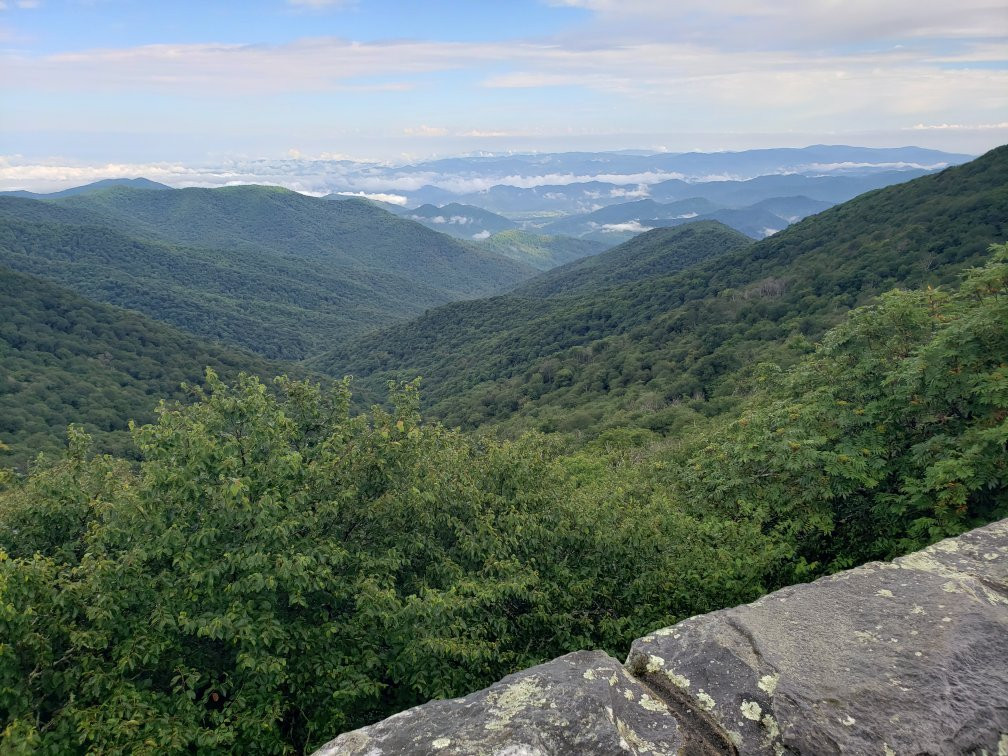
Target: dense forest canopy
{"points": [[65, 359], [275, 569], [261, 268]]}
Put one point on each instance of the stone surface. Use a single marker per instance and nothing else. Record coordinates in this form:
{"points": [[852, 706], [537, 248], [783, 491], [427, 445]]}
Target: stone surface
{"points": [[908, 657], [890, 658], [581, 703]]}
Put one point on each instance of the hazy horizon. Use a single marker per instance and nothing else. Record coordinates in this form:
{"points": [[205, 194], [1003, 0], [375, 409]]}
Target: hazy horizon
{"points": [[120, 85]]}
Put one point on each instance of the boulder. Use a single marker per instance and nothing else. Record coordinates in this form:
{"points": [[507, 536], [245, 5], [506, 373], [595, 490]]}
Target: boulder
{"points": [[581, 703], [907, 657]]}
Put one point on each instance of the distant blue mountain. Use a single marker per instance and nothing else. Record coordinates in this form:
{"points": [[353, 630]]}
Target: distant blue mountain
{"points": [[136, 183]]}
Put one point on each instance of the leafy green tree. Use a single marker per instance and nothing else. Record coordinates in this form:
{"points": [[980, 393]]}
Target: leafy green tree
{"points": [[891, 435]]}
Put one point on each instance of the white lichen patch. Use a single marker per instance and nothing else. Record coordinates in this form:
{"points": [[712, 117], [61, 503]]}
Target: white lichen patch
{"points": [[768, 683], [678, 680], [589, 674], [951, 587], [735, 738], [613, 681], [441, 743], [918, 609], [664, 631], [628, 694], [635, 741], [990, 556], [847, 721], [706, 702], [887, 751], [1003, 744], [885, 592], [770, 725], [752, 710], [654, 663], [653, 704], [866, 637], [517, 697]]}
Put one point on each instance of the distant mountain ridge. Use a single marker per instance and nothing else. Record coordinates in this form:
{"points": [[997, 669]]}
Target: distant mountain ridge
{"points": [[260, 267], [460, 221], [134, 183]]}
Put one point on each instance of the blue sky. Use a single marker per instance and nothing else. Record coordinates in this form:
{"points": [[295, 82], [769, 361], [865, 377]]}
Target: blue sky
{"points": [[97, 82]]}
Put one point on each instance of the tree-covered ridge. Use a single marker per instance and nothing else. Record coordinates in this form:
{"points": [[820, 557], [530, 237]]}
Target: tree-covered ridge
{"points": [[653, 253], [278, 306], [448, 345], [541, 251], [64, 359], [276, 571], [258, 267], [649, 353]]}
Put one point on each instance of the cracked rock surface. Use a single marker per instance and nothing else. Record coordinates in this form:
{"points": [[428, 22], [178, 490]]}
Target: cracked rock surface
{"points": [[905, 657], [581, 703]]}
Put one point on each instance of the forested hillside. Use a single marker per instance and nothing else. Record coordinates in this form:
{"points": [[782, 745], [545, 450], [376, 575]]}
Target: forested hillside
{"points": [[541, 251], [259, 267], [275, 571], [653, 351], [654, 253], [64, 359]]}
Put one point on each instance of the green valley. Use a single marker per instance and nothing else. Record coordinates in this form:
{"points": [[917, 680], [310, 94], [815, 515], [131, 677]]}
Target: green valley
{"points": [[628, 347]]}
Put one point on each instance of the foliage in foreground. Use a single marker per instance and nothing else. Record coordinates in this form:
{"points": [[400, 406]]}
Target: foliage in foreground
{"points": [[275, 571]]}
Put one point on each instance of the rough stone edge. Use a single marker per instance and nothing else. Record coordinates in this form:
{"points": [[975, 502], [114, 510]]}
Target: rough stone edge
{"points": [[703, 734]]}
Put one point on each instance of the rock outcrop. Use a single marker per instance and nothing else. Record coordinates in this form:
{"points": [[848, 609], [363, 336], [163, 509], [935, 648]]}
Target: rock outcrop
{"points": [[906, 657]]}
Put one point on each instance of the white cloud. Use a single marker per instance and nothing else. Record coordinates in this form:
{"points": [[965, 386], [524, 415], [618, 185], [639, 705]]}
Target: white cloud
{"points": [[484, 234], [959, 126], [425, 131], [759, 23], [391, 199], [641, 190], [490, 134], [633, 227], [849, 164]]}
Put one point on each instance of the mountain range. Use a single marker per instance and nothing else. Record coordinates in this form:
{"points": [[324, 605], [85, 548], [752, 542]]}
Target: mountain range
{"points": [[665, 327], [603, 342], [263, 268]]}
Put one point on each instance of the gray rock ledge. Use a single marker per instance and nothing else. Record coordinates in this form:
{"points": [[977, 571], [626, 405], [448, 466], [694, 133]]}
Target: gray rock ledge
{"points": [[903, 657]]}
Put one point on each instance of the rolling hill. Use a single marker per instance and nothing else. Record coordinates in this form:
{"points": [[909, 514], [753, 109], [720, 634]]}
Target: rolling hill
{"points": [[460, 221], [633, 352], [263, 268], [541, 251]]}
